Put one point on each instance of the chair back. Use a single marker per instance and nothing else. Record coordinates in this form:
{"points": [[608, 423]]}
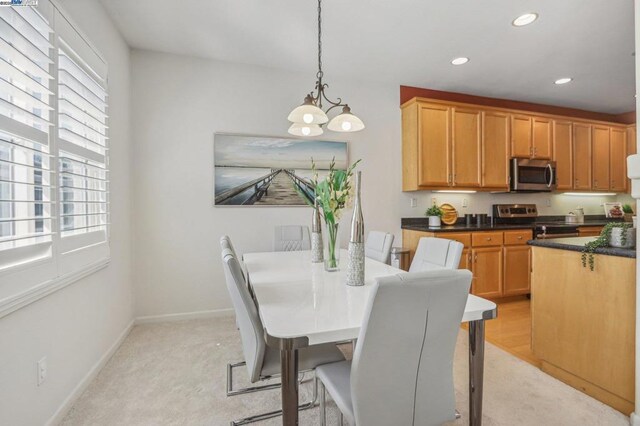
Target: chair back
{"points": [[402, 368], [378, 246], [247, 318], [436, 253], [226, 240], [291, 238]]}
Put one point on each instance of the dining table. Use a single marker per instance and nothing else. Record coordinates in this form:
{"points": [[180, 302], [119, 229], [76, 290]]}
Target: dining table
{"points": [[300, 304]]}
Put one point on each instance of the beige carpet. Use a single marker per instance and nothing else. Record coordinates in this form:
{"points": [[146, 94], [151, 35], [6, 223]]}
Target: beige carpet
{"points": [[174, 374]]}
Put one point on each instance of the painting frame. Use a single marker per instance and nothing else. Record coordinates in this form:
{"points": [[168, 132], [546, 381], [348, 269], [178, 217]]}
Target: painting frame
{"points": [[223, 140]]}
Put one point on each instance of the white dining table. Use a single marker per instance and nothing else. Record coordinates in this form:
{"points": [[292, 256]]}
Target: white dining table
{"points": [[300, 304]]}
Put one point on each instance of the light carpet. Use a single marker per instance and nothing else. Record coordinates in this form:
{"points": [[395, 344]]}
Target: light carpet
{"points": [[174, 374]]}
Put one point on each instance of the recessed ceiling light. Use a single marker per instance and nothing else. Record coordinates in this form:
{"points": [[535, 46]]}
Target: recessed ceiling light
{"points": [[460, 61], [525, 19], [564, 80]]}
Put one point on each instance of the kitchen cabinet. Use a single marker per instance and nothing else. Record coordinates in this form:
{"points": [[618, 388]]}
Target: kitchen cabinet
{"points": [[453, 145], [600, 160], [466, 146], [589, 231], [582, 156], [632, 147], [487, 271], [517, 270], [542, 142], [563, 153], [618, 159], [495, 150], [521, 136]]}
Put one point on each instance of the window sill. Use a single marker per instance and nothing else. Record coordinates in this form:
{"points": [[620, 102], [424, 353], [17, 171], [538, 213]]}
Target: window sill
{"points": [[12, 304]]}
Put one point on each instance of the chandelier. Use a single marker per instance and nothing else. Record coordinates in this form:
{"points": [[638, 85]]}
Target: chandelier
{"points": [[309, 117]]}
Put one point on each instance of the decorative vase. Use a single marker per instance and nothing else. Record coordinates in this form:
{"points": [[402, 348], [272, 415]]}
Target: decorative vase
{"points": [[616, 238], [316, 236], [355, 270], [628, 217], [331, 242], [435, 222]]}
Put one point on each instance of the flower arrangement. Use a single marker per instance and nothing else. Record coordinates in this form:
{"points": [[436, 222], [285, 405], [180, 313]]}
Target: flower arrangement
{"points": [[333, 194]]}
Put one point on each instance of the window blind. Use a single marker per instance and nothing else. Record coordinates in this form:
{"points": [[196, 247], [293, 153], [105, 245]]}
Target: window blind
{"points": [[26, 181], [82, 143]]}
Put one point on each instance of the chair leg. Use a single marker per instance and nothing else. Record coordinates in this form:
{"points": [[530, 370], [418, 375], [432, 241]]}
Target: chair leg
{"points": [[341, 419], [232, 392], [265, 416], [323, 404]]}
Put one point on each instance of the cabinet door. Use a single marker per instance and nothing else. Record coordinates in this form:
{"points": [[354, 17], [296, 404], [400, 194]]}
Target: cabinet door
{"points": [[590, 231], [465, 260], [466, 147], [542, 140], [495, 150], [632, 147], [434, 145], [487, 272], [521, 145], [618, 160], [581, 156], [600, 159], [563, 153], [517, 270]]}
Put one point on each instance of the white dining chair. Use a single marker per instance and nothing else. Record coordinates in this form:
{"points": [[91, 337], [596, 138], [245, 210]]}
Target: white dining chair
{"points": [[436, 253], [262, 361], [291, 238], [378, 246], [402, 367]]}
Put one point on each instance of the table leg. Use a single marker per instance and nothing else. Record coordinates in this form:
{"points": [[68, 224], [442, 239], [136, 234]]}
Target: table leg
{"points": [[289, 377], [476, 371]]}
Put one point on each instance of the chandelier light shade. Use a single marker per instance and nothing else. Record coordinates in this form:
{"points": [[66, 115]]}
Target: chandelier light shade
{"points": [[346, 122], [301, 129], [309, 117], [308, 113]]}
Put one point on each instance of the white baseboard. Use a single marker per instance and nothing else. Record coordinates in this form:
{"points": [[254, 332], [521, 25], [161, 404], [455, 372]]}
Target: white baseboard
{"points": [[88, 378], [213, 313], [634, 419]]}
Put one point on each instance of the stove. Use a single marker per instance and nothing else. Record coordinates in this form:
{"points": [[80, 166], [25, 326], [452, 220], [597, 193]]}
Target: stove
{"points": [[527, 214]]}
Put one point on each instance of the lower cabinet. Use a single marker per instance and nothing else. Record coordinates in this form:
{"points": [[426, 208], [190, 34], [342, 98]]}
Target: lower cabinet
{"points": [[590, 231], [487, 271], [517, 270]]}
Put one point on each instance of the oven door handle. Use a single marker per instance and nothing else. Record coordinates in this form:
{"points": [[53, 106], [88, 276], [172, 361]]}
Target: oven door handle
{"points": [[548, 236], [550, 176]]}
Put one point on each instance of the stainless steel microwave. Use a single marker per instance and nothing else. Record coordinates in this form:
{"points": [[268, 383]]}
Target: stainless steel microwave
{"points": [[532, 175]]}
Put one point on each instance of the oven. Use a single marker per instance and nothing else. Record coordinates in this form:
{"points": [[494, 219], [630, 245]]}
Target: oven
{"points": [[532, 175], [554, 230]]}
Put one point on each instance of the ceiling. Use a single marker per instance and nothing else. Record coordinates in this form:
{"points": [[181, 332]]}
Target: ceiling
{"points": [[411, 42]]}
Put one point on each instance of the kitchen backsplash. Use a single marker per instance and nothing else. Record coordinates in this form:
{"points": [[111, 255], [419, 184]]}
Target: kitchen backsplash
{"points": [[548, 203]]}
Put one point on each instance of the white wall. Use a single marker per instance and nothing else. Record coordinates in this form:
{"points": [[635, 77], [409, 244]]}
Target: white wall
{"points": [[178, 104], [75, 326]]}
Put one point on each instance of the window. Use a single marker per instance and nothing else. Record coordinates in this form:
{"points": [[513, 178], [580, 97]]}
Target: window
{"points": [[54, 176]]}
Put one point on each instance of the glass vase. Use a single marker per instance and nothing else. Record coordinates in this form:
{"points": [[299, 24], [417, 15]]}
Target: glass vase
{"points": [[331, 242]]}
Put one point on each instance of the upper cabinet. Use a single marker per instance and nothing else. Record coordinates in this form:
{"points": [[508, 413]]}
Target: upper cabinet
{"points": [[563, 153], [449, 145]]}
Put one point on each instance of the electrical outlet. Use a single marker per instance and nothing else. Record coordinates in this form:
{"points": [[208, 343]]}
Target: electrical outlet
{"points": [[465, 203], [414, 202], [42, 370], [548, 202], [434, 201]]}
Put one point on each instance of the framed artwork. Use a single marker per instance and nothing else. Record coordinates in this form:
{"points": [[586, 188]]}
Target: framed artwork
{"points": [[270, 171], [613, 210]]}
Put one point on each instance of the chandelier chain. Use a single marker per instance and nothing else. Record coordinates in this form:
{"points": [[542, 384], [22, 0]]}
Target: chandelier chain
{"points": [[320, 39]]}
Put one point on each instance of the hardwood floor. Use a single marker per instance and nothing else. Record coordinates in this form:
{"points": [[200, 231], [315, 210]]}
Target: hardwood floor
{"points": [[511, 330]]}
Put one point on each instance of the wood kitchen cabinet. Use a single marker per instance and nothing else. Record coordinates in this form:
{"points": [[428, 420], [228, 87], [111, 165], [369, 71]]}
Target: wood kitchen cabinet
{"points": [[563, 153], [517, 270], [487, 271], [582, 156], [466, 146], [618, 159], [454, 145], [632, 147], [495, 150]]}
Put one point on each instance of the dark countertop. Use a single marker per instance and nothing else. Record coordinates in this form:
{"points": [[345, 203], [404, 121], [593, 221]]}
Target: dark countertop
{"points": [[422, 224], [577, 243]]}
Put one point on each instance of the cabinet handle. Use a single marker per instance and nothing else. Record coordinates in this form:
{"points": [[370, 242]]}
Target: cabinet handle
{"points": [[475, 259], [454, 178], [519, 237], [595, 183], [488, 238]]}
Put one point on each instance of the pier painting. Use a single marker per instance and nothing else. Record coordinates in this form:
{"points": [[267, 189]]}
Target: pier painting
{"points": [[268, 171]]}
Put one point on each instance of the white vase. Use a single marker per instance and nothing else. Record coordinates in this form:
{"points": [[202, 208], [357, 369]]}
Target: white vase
{"points": [[616, 238], [434, 222]]}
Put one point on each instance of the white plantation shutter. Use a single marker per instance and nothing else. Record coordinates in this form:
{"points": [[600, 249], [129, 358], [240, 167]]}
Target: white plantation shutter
{"points": [[82, 156], [26, 176]]}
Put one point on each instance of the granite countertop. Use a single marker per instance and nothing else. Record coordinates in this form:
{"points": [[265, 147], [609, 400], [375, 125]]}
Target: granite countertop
{"points": [[422, 224], [577, 243]]}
